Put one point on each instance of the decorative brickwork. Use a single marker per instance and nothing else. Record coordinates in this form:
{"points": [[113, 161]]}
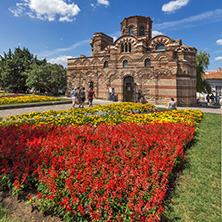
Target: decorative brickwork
{"points": [[162, 68]]}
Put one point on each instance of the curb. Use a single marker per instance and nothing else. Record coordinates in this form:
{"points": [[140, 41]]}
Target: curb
{"points": [[17, 106]]}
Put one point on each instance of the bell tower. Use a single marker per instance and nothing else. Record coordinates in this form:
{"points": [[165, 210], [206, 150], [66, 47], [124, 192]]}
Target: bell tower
{"points": [[138, 26]]}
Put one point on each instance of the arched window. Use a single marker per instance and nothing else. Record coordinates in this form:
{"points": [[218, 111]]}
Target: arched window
{"points": [[125, 63], [160, 47], [122, 48], [126, 48], [106, 64], [131, 30], [141, 31], [147, 63], [129, 47]]}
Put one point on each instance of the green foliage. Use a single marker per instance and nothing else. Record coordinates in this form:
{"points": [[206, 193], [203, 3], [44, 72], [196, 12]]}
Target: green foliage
{"points": [[13, 67], [202, 62], [46, 77], [22, 69]]}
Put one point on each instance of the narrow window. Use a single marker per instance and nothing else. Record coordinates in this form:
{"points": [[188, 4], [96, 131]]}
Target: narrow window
{"points": [[160, 47], [131, 30], [147, 63], [122, 48], [126, 48], [129, 47], [106, 64], [125, 63], [141, 31]]}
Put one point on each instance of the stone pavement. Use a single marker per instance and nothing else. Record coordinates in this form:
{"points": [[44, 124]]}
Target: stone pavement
{"points": [[18, 110]]}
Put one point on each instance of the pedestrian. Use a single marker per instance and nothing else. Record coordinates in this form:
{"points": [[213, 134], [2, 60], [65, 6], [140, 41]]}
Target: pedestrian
{"points": [[172, 104], [138, 95], [78, 96], [218, 100], [90, 96], [74, 96], [212, 99], [82, 97], [208, 98]]}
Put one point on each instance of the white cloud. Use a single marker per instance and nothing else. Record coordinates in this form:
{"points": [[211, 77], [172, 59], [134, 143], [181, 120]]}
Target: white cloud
{"points": [[206, 17], [92, 5], [103, 2], [50, 10], [60, 60], [218, 58], [219, 41], [172, 6], [155, 33]]}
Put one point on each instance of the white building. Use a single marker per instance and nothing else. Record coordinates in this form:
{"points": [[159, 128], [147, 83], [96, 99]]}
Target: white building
{"points": [[215, 80]]}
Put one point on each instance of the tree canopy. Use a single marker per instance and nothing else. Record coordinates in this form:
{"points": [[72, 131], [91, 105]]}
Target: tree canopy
{"points": [[21, 69], [202, 62]]}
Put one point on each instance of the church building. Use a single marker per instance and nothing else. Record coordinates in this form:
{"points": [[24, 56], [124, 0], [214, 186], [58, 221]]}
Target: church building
{"points": [[160, 67]]}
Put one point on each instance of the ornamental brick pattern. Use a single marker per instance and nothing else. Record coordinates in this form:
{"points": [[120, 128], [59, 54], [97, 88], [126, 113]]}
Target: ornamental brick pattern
{"points": [[162, 68]]}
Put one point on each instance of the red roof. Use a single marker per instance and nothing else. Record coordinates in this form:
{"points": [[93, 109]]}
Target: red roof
{"points": [[213, 74]]}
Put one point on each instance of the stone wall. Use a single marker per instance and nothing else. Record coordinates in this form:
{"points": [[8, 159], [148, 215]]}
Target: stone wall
{"points": [[170, 73]]}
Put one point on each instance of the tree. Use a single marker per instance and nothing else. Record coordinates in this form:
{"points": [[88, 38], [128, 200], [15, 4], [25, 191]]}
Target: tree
{"points": [[13, 67], [202, 62], [47, 77]]}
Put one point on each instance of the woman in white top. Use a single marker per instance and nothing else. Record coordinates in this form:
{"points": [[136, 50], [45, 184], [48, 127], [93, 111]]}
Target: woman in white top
{"points": [[172, 104], [74, 97]]}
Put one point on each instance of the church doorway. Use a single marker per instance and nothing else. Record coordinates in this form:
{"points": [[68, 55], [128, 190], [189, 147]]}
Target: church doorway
{"points": [[128, 89]]}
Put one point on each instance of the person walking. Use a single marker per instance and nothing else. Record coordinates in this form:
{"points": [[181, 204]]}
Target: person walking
{"points": [[212, 99], [78, 96], [218, 100], [82, 97], [90, 96], [138, 95], [208, 98], [74, 96], [172, 104]]}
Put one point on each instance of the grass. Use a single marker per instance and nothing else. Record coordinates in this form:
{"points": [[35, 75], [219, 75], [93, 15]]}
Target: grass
{"points": [[197, 195]]}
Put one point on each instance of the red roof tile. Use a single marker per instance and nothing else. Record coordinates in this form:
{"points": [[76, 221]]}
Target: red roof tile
{"points": [[212, 75]]}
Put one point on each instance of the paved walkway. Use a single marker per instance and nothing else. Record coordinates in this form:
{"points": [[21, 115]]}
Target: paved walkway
{"points": [[19, 110]]}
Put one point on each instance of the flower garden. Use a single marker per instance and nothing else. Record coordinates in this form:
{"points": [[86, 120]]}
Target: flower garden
{"points": [[6, 98], [106, 163]]}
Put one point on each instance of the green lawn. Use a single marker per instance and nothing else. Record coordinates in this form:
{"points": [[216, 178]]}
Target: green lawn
{"points": [[197, 194]]}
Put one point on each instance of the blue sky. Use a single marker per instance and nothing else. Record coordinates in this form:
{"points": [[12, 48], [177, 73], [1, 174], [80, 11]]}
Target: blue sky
{"points": [[57, 29]]}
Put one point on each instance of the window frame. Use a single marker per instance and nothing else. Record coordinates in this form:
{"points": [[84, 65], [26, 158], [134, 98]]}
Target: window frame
{"points": [[125, 63], [106, 64], [161, 49], [147, 62], [141, 30], [131, 30]]}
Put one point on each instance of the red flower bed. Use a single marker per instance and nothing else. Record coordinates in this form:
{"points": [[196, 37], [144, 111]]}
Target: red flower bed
{"points": [[83, 173]]}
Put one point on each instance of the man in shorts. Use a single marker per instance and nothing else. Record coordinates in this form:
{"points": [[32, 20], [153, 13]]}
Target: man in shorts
{"points": [[90, 96]]}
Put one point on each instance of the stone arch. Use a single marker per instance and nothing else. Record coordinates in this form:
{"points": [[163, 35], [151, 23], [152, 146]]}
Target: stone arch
{"points": [[163, 55], [123, 74], [125, 39], [95, 62], [162, 73], [125, 58], [128, 88], [151, 57], [77, 62], [86, 62], [160, 39]]}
